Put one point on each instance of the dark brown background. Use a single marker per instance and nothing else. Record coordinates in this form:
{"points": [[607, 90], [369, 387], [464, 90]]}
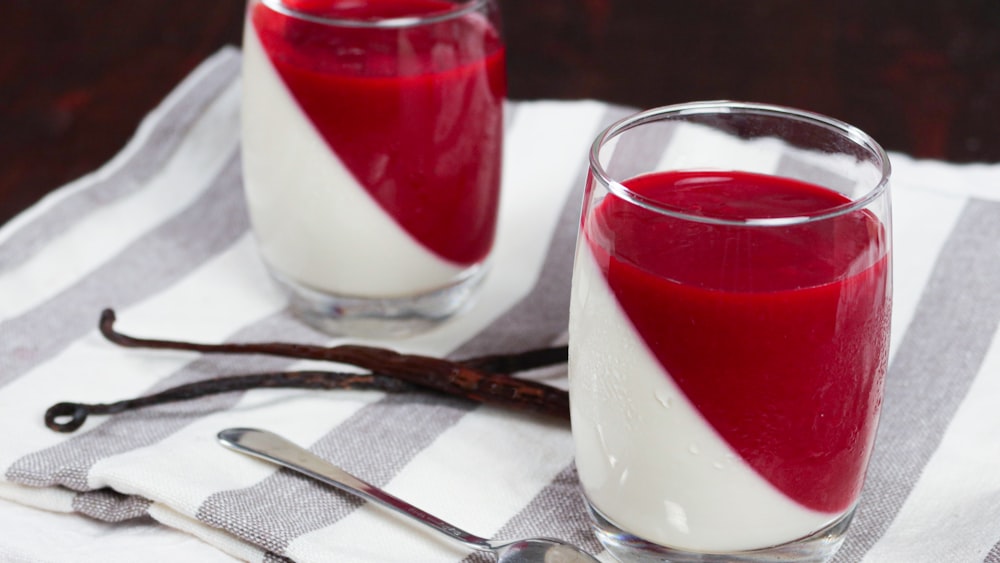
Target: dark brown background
{"points": [[921, 76]]}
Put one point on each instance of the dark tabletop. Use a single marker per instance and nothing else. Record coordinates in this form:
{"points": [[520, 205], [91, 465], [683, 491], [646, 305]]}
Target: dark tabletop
{"points": [[921, 76]]}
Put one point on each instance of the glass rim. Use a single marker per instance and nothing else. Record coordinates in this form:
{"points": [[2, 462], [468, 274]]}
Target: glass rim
{"points": [[850, 132], [462, 8]]}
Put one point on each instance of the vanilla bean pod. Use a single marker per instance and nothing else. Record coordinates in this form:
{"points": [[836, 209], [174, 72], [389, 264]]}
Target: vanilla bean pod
{"points": [[519, 361], [464, 379], [497, 363], [67, 417]]}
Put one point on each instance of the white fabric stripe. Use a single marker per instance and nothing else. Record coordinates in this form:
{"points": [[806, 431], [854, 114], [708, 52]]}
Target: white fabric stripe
{"points": [[959, 490], [198, 467], [981, 181], [945, 518], [472, 321], [205, 150], [544, 149], [152, 120], [48, 537], [225, 293], [692, 144], [512, 459], [52, 499], [128, 176], [938, 361], [548, 141], [924, 212], [222, 294], [211, 536], [922, 221], [535, 195]]}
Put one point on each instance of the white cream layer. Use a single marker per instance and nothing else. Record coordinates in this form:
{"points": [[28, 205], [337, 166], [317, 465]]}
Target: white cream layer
{"points": [[313, 221], [646, 457]]}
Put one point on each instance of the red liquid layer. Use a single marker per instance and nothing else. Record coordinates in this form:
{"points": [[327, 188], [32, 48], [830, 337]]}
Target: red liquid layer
{"points": [[777, 335], [416, 114]]}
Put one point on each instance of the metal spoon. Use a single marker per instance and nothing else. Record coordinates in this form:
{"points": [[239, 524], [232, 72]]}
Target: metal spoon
{"points": [[271, 447]]}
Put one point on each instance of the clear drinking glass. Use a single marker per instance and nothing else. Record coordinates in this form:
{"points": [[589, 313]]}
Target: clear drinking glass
{"points": [[729, 331], [372, 138]]}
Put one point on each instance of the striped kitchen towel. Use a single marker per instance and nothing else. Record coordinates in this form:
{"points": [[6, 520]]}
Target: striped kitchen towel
{"points": [[160, 234]]}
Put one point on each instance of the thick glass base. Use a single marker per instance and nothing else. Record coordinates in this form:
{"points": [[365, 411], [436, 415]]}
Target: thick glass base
{"points": [[817, 547], [374, 317]]}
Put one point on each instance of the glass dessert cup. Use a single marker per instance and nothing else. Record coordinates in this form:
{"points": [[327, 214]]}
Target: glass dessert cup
{"points": [[372, 139], [729, 329]]}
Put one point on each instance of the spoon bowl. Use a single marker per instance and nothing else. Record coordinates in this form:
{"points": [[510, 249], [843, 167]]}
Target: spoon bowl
{"points": [[275, 449], [532, 550]]}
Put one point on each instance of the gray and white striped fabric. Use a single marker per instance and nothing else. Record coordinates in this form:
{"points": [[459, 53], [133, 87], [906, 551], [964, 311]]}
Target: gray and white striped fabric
{"points": [[160, 234]]}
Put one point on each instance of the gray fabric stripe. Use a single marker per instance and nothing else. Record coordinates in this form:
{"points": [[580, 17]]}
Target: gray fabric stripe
{"points": [[994, 555], [68, 463], [543, 315], [381, 438], [132, 175], [937, 361], [107, 505], [794, 167], [148, 265], [639, 150], [558, 511], [374, 443]]}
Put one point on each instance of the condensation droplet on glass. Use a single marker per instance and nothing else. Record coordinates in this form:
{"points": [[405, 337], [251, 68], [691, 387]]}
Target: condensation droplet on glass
{"points": [[664, 399], [694, 449]]}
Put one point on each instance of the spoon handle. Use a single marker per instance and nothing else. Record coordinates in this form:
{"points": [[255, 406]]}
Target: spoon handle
{"points": [[275, 449]]}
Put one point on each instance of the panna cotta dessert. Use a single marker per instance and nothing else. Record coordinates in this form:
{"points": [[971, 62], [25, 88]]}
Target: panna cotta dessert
{"points": [[725, 379], [371, 143]]}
